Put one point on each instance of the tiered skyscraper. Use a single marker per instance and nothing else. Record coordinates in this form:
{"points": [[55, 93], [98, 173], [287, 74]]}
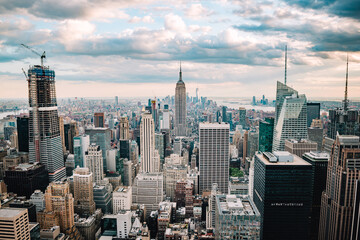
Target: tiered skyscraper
{"points": [[149, 162], [180, 107], [45, 144], [290, 118]]}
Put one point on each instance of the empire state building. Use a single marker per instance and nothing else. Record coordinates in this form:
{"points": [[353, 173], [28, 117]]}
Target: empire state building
{"points": [[180, 107]]}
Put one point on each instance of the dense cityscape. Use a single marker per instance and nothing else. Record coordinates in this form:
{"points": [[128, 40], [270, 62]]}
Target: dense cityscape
{"points": [[183, 165]]}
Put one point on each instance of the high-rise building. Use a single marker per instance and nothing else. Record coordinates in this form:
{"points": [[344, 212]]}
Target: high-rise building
{"points": [[148, 190], [266, 133], [214, 156], [236, 217], [223, 113], [102, 198], [102, 138], [147, 145], [319, 162], [94, 161], [14, 224], [70, 131], [313, 112], [45, 144], [84, 204], [180, 107], [122, 199], [81, 144], [165, 123], [242, 117], [38, 199], [22, 124], [291, 114], [282, 194], [355, 227], [299, 147], [99, 120], [316, 134], [25, 178], [124, 128], [116, 100], [338, 199]]}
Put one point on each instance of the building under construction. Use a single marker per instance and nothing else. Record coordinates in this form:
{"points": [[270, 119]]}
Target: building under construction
{"points": [[44, 134]]}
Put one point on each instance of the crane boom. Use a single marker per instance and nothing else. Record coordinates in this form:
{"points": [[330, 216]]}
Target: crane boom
{"points": [[35, 52]]}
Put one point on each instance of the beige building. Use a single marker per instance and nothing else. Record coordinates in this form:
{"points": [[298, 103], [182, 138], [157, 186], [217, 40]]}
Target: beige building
{"points": [[124, 128], [300, 147], [122, 199], [14, 224], [94, 161], [83, 192], [180, 107]]}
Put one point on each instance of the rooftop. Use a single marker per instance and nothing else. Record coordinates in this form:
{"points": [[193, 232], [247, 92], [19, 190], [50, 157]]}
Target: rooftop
{"points": [[11, 212], [317, 155], [213, 125], [277, 157], [236, 205]]}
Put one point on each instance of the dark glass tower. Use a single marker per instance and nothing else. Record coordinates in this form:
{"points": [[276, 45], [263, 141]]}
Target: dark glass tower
{"points": [[266, 131], [44, 131], [313, 112], [22, 124]]}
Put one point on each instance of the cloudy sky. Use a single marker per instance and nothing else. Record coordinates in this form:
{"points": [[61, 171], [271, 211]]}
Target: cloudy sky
{"points": [[232, 48]]}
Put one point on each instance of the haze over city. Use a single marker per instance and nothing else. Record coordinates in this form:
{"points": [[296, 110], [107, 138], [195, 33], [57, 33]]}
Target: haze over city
{"points": [[227, 48]]}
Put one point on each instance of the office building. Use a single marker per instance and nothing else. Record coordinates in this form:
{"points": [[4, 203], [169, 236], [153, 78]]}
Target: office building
{"points": [[102, 138], [99, 120], [236, 217], [94, 162], [319, 162], [38, 199], [313, 112], [124, 148], [165, 122], [214, 156], [124, 129], [316, 134], [102, 198], [117, 225], [81, 144], [22, 203], [14, 224], [180, 107], [266, 132], [355, 227], [160, 145], [282, 193], [172, 174], [242, 117], [45, 144], [25, 178], [290, 119], [147, 145], [70, 131], [84, 204], [148, 190], [338, 199], [22, 124], [299, 147], [122, 199]]}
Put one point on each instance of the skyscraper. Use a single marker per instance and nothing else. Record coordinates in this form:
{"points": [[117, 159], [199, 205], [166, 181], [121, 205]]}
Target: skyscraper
{"points": [[266, 133], [338, 199], [180, 107], [81, 144], [282, 194], [313, 112], [242, 117], [83, 192], [45, 144], [214, 156], [70, 131], [14, 223], [94, 161], [124, 128], [22, 124], [291, 114], [147, 145], [99, 120], [102, 138]]}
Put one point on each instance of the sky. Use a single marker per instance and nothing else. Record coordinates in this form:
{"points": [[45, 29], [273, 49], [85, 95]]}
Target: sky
{"points": [[227, 48]]}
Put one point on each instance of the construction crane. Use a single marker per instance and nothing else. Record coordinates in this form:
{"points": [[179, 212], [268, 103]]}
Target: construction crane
{"points": [[25, 74], [41, 56]]}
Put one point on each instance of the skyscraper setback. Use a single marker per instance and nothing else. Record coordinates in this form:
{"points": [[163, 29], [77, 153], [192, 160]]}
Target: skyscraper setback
{"points": [[44, 134], [180, 107]]}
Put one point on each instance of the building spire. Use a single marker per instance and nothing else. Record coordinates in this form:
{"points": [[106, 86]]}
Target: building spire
{"points": [[346, 101], [180, 73], [285, 62]]}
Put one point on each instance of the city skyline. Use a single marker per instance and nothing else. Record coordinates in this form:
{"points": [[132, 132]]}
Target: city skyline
{"points": [[102, 47]]}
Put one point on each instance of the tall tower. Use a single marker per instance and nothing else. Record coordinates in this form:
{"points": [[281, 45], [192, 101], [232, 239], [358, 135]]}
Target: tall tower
{"points": [[337, 200], [291, 116], [180, 107], [149, 162], [45, 144], [83, 192], [124, 128], [94, 161], [214, 156]]}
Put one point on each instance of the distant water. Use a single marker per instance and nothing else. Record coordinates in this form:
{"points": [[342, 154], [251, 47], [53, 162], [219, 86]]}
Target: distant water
{"points": [[4, 114], [238, 102]]}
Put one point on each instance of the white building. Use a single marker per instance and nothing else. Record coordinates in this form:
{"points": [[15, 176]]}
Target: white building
{"points": [[122, 199], [147, 144], [38, 199], [81, 144], [111, 159], [94, 161], [214, 156]]}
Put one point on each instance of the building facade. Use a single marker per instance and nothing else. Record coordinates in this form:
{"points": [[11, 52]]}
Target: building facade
{"points": [[180, 107]]}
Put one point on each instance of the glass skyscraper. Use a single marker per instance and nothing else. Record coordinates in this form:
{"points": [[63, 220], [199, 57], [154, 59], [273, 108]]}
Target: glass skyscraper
{"points": [[266, 131]]}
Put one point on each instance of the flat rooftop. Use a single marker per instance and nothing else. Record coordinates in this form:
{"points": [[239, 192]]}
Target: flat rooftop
{"points": [[236, 205], [297, 161], [11, 212], [214, 125]]}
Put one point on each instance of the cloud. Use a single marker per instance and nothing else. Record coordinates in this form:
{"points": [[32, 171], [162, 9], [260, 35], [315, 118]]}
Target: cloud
{"points": [[145, 19], [174, 23], [197, 11]]}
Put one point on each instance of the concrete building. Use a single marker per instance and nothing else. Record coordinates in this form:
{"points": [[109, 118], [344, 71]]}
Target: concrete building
{"points": [[214, 156], [147, 145], [299, 147], [38, 199], [338, 199], [102, 199], [83, 192], [117, 225], [180, 107], [100, 137], [122, 199], [148, 190], [172, 174], [81, 145], [99, 120], [124, 129], [236, 217], [14, 224], [94, 162]]}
